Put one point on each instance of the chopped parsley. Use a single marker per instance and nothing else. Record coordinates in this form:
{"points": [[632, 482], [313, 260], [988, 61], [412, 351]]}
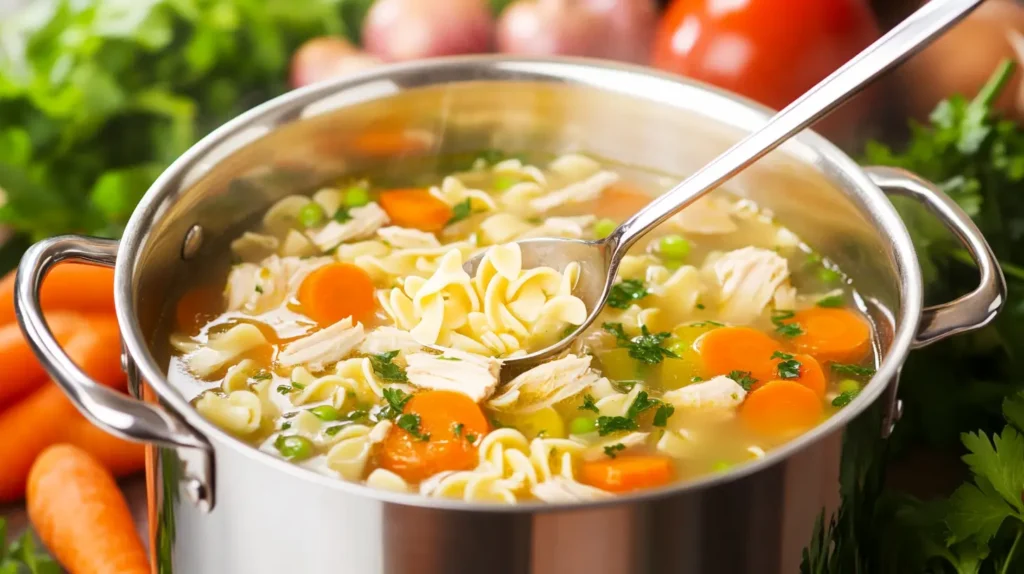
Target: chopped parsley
{"points": [[853, 370], [645, 347], [589, 404], [342, 215], [612, 449], [783, 328], [357, 415], [607, 425], [471, 438], [457, 429], [384, 368], [396, 398], [259, 289], [284, 389], [624, 386], [625, 292], [788, 368], [696, 379], [641, 403], [286, 425], [743, 379], [443, 358], [262, 376], [333, 430], [700, 306], [844, 398], [664, 412], [298, 386], [460, 211], [830, 301], [706, 324], [569, 330], [410, 423]]}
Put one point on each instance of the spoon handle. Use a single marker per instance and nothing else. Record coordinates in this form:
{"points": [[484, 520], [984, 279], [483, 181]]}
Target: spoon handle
{"points": [[909, 36]]}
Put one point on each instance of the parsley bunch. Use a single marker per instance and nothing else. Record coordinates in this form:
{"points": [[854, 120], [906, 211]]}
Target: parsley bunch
{"points": [[22, 557]]}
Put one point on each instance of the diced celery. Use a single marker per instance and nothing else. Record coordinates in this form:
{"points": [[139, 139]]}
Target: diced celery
{"points": [[617, 365], [676, 373], [546, 422], [848, 386]]}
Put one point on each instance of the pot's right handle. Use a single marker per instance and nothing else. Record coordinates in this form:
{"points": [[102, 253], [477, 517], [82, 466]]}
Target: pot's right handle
{"points": [[112, 411], [975, 309]]}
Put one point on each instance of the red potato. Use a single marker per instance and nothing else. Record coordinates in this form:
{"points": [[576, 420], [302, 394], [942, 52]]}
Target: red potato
{"points": [[398, 30], [552, 27], [631, 25], [327, 57]]}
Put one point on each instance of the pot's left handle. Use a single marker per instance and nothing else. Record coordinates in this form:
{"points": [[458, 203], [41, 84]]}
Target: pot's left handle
{"points": [[112, 411]]}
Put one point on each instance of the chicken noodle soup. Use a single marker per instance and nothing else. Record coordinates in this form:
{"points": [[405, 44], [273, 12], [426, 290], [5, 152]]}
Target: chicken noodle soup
{"points": [[348, 338]]}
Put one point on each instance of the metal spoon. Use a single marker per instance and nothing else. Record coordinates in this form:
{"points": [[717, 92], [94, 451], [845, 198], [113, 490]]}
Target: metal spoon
{"points": [[600, 259]]}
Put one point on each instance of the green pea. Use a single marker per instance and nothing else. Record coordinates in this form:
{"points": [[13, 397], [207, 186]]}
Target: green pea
{"points": [[721, 466], [357, 196], [829, 275], [326, 413], [503, 182], [848, 386], [294, 447], [582, 425], [674, 247], [311, 215], [604, 227]]}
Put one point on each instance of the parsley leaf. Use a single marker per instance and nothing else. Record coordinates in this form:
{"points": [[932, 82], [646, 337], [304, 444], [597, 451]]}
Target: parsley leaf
{"points": [[612, 449], [471, 438], [589, 404], [262, 376], [783, 328], [852, 370], [457, 429], [625, 292], [396, 399], [645, 347], [21, 556], [1000, 462], [641, 403], [284, 389], [384, 368], [743, 379], [607, 425], [788, 367], [461, 211], [342, 215], [830, 301], [665, 411], [410, 423], [844, 398]]}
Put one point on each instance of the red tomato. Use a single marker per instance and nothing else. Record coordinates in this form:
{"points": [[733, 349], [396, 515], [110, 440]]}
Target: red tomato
{"points": [[771, 51]]}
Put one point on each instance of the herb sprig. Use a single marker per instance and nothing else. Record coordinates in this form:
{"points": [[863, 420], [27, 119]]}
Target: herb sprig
{"points": [[645, 347], [625, 292]]}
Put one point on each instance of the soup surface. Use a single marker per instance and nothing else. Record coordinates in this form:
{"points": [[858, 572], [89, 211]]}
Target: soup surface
{"points": [[348, 339]]}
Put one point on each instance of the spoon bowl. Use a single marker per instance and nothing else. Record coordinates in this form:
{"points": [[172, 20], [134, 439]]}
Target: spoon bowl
{"points": [[599, 260]]}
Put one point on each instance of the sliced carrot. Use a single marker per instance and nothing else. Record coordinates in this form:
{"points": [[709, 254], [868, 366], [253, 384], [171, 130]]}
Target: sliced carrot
{"points": [[22, 371], [120, 457], [621, 200], [832, 334], [81, 515], [416, 208], [336, 291], [73, 286], [811, 374], [626, 473], [781, 408], [742, 349], [197, 306], [449, 446], [39, 420]]}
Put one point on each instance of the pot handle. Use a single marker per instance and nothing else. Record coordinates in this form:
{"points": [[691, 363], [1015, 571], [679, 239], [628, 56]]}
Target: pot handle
{"points": [[975, 309], [114, 412]]}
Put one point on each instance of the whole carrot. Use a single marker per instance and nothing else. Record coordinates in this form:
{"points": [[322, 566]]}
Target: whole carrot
{"points": [[119, 456], [22, 371], [29, 426], [67, 286], [81, 515]]}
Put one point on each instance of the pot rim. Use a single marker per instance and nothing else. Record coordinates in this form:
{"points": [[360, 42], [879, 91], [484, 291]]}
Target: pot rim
{"points": [[634, 81]]}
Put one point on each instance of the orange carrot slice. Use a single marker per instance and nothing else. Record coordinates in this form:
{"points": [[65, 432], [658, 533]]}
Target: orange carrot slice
{"points": [[22, 371], [832, 334], [742, 349], [81, 515], [416, 208], [620, 200], [626, 473], [811, 375], [449, 447], [69, 286], [336, 291], [781, 408]]}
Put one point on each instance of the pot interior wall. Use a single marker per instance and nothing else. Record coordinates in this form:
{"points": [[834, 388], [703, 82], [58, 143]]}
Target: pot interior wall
{"points": [[296, 149]]}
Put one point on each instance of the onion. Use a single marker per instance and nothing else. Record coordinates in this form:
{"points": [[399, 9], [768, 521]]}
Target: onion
{"points": [[963, 59], [551, 27], [631, 25], [327, 57], [410, 29]]}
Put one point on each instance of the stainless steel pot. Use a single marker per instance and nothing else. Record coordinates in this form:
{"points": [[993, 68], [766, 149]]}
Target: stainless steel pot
{"points": [[220, 506]]}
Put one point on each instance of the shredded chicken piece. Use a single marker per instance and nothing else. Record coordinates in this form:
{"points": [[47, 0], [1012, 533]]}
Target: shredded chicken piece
{"points": [[364, 222], [328, 345], [547, 384], [720, 392], [472, 375], [748, 278]]}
